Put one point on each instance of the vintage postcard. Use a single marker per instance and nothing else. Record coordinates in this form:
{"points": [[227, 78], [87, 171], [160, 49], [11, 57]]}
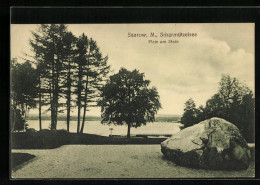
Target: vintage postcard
{"points": [[157, 100]]}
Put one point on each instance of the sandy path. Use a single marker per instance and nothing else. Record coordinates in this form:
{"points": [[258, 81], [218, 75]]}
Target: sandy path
{"points": [[111, 161]]}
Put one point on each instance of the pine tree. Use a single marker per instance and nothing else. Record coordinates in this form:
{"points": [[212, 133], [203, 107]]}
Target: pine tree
{"points": [[68, 68], [48, 47], [91, 70], [96, 69]]}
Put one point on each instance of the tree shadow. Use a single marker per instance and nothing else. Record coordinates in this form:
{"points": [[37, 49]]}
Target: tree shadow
{"points": [[17, 159]]}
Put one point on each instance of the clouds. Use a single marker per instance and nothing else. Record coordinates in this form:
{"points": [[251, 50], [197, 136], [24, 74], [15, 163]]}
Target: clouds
{"points": [[190, 68]]}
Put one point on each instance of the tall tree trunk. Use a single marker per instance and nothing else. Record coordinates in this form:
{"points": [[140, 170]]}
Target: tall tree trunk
{"points": [[129, 100], [79, 97], [52, 113], [79, 108], [56, 99], [13, 117], [78, 118], [40, 105], [68, 100], [25, 114], [53, 88], [52, 101], [85, 105], [55, 112], [128, 130], [68, 117]]}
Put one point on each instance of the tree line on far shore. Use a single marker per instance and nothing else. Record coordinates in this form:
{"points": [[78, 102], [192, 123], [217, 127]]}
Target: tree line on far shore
{"points": [[158, 118], [70, 68], [233, 102]]}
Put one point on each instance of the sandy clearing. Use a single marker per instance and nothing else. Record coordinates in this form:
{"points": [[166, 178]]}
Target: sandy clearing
{"points": [[111, 161]]}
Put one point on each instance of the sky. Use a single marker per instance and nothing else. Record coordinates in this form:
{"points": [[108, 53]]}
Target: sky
{"points": [[190, 68]]}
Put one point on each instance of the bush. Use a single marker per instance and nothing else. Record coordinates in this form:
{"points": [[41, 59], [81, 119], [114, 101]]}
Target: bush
{"points": [[30, 130]]}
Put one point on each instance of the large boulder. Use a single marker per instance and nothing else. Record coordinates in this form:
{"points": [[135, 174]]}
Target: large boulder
{"points": [[211, 144]]}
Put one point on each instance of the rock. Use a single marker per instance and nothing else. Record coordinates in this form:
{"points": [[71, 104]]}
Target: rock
{"points": [[211, 144]]}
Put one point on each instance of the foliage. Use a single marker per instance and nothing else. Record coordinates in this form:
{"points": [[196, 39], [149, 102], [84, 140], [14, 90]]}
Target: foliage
{"points": [[23, 85], [233, 101], [23, 92], [127, 99], [190, 113]]}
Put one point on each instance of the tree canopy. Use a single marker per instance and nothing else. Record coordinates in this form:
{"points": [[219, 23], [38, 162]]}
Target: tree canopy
{"points": [[234, 102], [190, 113], [23, 92], [127, 99]]}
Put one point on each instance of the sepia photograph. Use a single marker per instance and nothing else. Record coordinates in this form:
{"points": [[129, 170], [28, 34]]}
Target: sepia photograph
{"points": [[130, 101]]}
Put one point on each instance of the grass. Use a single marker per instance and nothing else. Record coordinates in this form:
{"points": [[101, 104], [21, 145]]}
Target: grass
{"points": [[18, 159], [47, 139]]}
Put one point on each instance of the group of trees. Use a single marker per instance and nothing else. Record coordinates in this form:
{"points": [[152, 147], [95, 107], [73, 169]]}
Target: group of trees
{"points": [[65, 67], [233, 102]]}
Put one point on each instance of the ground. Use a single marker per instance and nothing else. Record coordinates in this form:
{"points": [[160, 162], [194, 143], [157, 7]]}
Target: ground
{"points": [[111, 161]]}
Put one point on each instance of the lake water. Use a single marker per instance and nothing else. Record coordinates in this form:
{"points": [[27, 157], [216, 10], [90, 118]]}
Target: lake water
{"points": [[95, 127]]}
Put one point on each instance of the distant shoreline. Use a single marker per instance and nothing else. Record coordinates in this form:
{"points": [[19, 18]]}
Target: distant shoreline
{"points": [[63, 118], [97, 118]]}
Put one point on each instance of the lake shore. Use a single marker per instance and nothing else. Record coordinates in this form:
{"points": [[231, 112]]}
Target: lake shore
{"points": [[112, 161], [96, 127]]}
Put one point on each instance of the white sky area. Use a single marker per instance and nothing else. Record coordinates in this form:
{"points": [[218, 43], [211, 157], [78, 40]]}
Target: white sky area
{"points": [[191, 68]]}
